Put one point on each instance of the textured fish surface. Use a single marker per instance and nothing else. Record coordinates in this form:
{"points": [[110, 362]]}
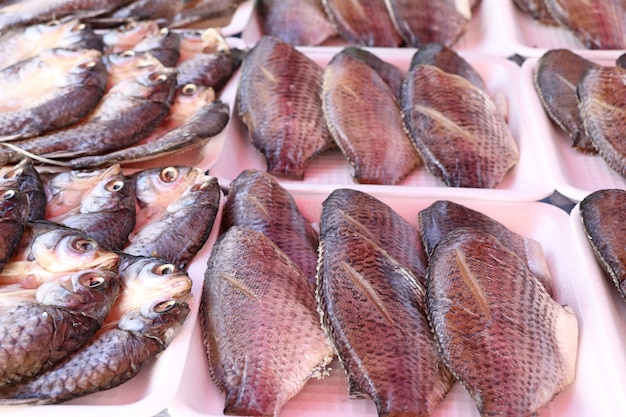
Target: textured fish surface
{"points": [[598, 24], [443, 216], [296, 22], [363, 22], [138, 10], [390, 73], [556, 79], [257, 201], [372, 308], [195, 11], [13, 216], [457, 129], [364, 119], [420, 23], [506, 340], [258, 312], [537, 10], [51, 90], [602, 214], [279, 101], [27, 179]]}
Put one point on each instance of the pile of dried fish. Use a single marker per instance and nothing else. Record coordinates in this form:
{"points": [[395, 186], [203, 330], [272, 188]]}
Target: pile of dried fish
{"points": [[596, 24], [385, 123], [586, 101], [132, 93], [389, 23], [112, 276]]}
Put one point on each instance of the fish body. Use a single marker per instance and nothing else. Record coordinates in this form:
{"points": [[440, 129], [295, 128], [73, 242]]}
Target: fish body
{"points": [[27, 179], [13, 216], [257, 314], [457, 129], [198, 10], [279, 101], [139, 10], [506, 340], [537, 10]]}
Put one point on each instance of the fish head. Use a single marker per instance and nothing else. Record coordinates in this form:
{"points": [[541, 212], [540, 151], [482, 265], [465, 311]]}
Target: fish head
{"points": [[19, 173], [14, 204], [127, 36], [91, 292], [129, 64], [191, 97], [158, 186], [67, 32], [156, 86], [160, 321], [196, 194], [112, 191], [163, 39], [205, 41]]}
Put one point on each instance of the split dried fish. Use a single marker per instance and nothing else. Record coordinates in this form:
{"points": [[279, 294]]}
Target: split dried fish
{"points": [[391, 74]]}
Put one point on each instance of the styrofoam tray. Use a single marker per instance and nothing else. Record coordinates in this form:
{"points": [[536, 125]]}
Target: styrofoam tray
{"points": [[573, 173], [526, 181], [154, 387], [593, 393], [530, 38]]}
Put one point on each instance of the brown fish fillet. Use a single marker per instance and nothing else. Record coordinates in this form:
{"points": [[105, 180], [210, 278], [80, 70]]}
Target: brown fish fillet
{"points": [[258, 202], [279, 101], [507, 341], [602, 213], [443, 216], [298, 22], [422, 22], [390, 73], [363, 22], [364, 119], [258, 313], [457, 129], [598, 24], [372, 308], [602, 106], [556, 78]]}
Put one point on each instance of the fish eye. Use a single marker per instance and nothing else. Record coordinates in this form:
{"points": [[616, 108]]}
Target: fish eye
{"points": [[53, 23], [164, 306], [85, 245], [8, 194], [91, 280], [165, 269], [158, 78], [169, 174], [88, 65], [189, 89], [129, 53], [164, 32], [115, 185]]}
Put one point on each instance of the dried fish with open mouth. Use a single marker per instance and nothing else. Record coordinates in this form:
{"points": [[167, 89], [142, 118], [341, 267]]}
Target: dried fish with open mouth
{"points": [[27, 179], [13, 217]]}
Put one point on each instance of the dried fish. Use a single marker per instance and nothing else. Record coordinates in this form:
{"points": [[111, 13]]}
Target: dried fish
{"points": [[13, 216], [195, 11], [27, 179], [391, 74], [537, 10]]}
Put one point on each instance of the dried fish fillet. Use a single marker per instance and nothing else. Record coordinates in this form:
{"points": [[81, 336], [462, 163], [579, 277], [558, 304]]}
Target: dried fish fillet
{"points": [[391, 74], [363, 22], [556, 78], [364, 119], [457, 129], [503, 336], [258, 314], [279, 101], [602, 106], [602, 215]]}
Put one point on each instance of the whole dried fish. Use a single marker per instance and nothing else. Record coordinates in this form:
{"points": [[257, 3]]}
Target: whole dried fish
{"points": [[127, 113], [128, 65], [364, 119], [506, 340], [279, 101], [556, 78], [297, 22], [363, 22], [257, 201], [602, 107], [27, 179], [21, 43], [51, 90], [420, 23], [13, 216], [602, 215], [459, 132], [257, 314], [372, 308], [598, 24]]}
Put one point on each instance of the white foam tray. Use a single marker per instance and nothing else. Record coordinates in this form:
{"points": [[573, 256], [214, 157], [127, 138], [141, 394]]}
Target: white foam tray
{"points": [[573, 173], [526, 181], [595, 391]]}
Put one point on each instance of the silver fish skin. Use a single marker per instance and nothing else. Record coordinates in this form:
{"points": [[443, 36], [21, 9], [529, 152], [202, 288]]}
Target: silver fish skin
{"points": [[65, 314], [181, 232], [506, 340], [13, 216], [142, 103], [70, 83], [372, 308], [257, 314], [257, 201], [27, 179]]}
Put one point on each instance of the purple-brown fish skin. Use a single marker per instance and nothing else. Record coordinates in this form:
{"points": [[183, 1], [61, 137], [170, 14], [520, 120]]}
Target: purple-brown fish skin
{"points": [[457, 129], [257, 201], [537, 10], [13, 216], [372, 308], [602, 107], [502, 335], [598, 24], [602, 215], [279, 101], [27, 179], [364, 119], [556, 78], [391, 74], [363, 22], [258, 313]]}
